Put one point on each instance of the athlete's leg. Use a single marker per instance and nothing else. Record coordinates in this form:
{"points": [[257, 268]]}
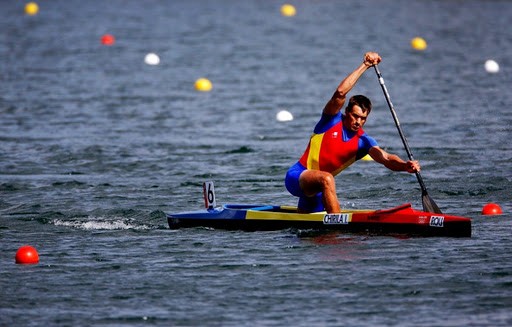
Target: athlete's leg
{"points": [[315, 181], [311, 204]]}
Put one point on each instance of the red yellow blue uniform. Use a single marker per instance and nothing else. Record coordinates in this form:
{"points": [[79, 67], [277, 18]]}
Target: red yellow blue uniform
{"points": [[331, 148]]}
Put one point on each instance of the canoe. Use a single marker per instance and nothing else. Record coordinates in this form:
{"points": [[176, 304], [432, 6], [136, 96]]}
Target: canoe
{"points": [[399, 220], [402, 219]]}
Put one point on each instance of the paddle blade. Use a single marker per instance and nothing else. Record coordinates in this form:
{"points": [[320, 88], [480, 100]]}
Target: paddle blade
{"points": [[428, 204]]}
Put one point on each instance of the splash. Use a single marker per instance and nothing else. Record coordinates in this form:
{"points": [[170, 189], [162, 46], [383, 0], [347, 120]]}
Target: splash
{"points": [[102, 224]]}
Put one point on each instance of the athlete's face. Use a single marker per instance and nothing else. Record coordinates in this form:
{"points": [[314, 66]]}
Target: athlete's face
{"points": [[355, 118]]}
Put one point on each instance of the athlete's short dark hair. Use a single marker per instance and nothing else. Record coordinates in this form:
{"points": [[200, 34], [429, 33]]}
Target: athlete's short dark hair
{"points": [[361, 101]]}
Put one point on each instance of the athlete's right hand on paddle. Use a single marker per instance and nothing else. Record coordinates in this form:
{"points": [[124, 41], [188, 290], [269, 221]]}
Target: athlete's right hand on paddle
{"points": [[371, 59], [413, 166]]}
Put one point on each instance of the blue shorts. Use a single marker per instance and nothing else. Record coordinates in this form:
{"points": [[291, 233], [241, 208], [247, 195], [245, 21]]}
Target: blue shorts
{"points": [[306, 203]]}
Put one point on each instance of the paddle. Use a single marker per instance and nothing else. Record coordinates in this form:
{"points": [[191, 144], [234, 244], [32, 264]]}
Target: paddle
{"points": [[428, 203]]}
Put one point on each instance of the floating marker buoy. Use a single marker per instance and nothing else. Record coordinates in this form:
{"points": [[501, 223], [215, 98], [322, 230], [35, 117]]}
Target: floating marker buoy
{"points": [[418, 43], [27, 255], [31, 8], [491, 209], [203, 85], [288, 10], [492, 66], [284, 115], [152, 59], [108, 39]]}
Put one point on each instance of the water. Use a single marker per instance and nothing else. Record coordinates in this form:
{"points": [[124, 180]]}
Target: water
{"points": [[96, 146]]}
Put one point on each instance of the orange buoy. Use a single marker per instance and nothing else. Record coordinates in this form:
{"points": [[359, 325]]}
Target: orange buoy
{"points": [[27, 255], [108, 39], [491, 209]]}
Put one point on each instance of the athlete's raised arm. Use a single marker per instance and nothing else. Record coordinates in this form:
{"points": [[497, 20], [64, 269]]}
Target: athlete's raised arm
{"points": [[335, 104]]}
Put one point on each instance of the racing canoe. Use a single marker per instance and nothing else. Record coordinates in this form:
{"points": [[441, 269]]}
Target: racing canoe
{"points": [[402, 219]]}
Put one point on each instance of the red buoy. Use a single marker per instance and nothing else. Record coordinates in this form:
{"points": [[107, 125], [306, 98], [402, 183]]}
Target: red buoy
{"points": [[27, 255], [108, 39], [491, 209]]}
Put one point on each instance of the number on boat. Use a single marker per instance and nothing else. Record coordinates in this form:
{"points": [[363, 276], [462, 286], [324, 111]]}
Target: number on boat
{"points": [[209, 195]]}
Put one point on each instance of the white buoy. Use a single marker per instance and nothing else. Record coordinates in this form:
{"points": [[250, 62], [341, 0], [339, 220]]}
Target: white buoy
{"points": [[492, 66], [284, 115], [152, 59]]}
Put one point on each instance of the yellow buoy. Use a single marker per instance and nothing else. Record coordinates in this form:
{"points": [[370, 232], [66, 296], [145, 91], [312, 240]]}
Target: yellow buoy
{"points": [[31, 8], [203, 85], [288, 10], [418, 43]]}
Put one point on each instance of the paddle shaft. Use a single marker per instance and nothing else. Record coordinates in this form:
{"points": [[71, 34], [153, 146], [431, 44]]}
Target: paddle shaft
{"points": [[397, 123]]}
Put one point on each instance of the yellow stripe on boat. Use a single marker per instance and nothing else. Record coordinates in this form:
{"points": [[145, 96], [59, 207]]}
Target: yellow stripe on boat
{"points": [[272, 215]]}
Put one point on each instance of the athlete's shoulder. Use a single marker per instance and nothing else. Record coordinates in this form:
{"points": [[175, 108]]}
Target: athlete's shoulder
{"points": [[326, 122], [368, 141]]}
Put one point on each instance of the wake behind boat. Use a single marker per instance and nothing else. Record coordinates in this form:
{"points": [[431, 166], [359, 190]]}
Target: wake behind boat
{"points": [[402, 219]]}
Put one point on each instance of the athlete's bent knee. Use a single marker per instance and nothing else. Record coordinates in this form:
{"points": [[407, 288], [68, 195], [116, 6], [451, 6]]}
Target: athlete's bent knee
{"points": [[328, 182]]}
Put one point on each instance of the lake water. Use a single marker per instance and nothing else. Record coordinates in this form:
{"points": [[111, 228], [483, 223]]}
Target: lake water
{"points": [[96, 146]]}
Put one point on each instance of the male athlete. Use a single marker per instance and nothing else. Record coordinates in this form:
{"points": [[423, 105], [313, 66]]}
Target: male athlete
{"points": [[337, 142]]}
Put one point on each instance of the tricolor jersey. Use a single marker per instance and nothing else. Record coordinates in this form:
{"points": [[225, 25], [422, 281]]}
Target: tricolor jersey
{"points": [[332, 148]]}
